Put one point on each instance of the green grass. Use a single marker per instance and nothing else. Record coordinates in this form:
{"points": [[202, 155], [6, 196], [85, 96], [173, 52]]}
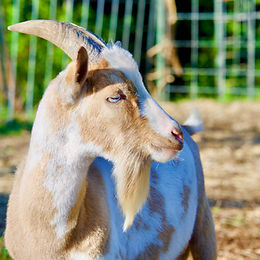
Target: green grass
{"points": [[3, 252]]}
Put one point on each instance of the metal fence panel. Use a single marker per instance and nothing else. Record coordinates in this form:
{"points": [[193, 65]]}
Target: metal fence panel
{"points": [[230, 44]]}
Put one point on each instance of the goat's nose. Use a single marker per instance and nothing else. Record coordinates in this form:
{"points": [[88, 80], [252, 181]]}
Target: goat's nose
{"points": [[177, 134]]}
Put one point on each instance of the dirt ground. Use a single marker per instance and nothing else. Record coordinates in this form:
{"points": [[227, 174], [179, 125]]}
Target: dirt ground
{"points": [[230, 153]]}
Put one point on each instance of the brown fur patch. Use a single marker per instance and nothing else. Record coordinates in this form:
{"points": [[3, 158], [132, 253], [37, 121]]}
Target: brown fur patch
{"points": [[185, 195], [156, 204], [140, 223], [74, 212], [150, 252], [91, 233]]}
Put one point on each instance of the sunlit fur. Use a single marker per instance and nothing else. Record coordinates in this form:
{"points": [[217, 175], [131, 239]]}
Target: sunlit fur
{"points": [[64, 203]]}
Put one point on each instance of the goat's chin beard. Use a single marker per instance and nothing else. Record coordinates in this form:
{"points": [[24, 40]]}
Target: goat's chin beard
{"points": [[132, 177]]}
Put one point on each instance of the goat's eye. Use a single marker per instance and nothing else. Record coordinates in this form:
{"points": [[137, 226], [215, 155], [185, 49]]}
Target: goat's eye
{"points": [[115, 98]]}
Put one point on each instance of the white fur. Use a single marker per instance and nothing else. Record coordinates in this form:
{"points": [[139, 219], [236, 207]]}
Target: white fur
{"points": [[79, 256], [158, 118]]}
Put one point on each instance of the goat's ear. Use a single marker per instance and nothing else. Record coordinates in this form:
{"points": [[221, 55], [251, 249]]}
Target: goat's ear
{"points": [[76, 75], [77, 71], [81, 66]]}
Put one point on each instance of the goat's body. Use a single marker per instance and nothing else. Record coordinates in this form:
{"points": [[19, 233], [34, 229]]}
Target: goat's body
{"points": [[69, 203], [161, 230]]}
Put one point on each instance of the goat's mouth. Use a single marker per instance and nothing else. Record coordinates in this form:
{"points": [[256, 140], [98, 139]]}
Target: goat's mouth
{"points": [[164, 153], [161, 148], [171, 146]]}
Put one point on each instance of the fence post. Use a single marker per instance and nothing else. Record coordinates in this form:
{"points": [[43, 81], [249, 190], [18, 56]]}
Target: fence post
{"points": [[139, 31], [113, 20], [160, 32], [127, 23], [194, 48], [49, 54], [14, 50], [68, 18], [251, 49], [2, 59], [150, 33], [221, 48], [31, 64], [84, 13], [99, 17]]}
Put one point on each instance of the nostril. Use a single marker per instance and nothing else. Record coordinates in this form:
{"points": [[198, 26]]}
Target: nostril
{"points": [[177, 135]]}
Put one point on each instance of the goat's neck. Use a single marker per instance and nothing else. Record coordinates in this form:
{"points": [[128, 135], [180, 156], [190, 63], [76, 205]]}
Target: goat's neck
{"points": [[58, 162]]}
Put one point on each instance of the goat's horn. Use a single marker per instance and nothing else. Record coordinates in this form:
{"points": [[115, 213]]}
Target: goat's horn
{"points": [[67, 36]]}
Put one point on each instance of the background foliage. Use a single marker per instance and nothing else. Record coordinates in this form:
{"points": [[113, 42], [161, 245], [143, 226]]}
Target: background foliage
{"points": [[203, 74]]}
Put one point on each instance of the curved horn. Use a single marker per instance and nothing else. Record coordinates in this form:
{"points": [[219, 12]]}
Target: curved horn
{"points": [[67, 36]]}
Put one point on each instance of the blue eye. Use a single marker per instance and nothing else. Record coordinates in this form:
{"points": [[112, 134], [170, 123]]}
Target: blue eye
{"points": [[114, 99]]}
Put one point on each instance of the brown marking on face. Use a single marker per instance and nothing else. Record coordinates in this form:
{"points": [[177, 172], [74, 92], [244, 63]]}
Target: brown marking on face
{"points": [[91, 233], [185, 195], [123, 134], [100, 64], [121, 124]]}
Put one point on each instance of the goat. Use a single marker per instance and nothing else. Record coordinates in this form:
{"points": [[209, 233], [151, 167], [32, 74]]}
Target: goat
{"points": [[101, 179]]}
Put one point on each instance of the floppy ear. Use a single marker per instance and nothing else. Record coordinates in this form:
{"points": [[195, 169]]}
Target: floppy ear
{"points": [[76, 74]]}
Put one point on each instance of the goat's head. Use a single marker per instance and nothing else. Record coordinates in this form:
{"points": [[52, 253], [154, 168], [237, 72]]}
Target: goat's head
{"points": [[102, 91]]}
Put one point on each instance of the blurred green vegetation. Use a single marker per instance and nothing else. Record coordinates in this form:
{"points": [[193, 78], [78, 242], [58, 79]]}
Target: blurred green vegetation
{"points": [[236, 56], [3, 252]]}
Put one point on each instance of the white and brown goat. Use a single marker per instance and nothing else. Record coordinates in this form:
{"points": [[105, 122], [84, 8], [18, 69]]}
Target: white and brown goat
{"points": [[99, 180]]}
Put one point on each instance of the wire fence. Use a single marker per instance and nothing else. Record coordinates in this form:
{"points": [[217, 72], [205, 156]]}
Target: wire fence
{"points": [[217, 42], [233, 38]]}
